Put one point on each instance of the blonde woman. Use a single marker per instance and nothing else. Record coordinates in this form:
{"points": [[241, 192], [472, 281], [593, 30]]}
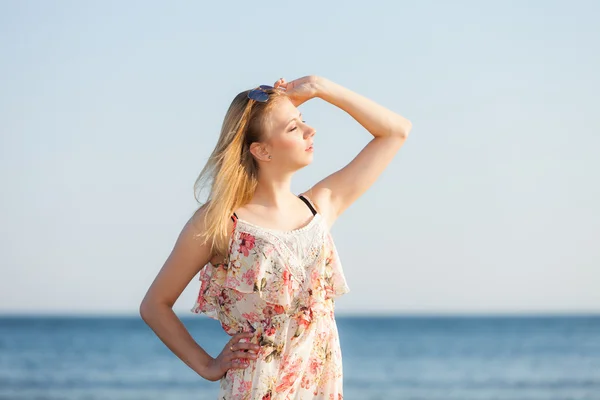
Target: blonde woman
{"points": [[269, 269]]}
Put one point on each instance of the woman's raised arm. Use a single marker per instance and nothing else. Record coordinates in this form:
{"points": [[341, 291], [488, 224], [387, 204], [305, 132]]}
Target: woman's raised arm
{"points": [[338, 191]]}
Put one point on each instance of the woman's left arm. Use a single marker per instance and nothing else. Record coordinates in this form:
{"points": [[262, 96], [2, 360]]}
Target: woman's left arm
{"points": [[390, 130]]}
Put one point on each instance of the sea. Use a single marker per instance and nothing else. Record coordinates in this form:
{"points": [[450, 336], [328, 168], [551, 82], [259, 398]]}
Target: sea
{"points": [[384, 357]]}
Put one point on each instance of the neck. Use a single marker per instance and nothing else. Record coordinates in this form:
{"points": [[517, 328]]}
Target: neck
{"points": [[273, 191]]}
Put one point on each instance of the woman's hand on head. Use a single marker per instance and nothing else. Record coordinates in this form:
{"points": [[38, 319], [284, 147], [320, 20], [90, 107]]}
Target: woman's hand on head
{"points": [[300, 90]]}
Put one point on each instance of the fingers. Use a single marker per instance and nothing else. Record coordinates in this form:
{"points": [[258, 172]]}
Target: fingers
{"points": [[240, 353], [239, 359], [237, 364], [243, 354], [245, 347], [238, 336], [236, 344], [281, 84]]}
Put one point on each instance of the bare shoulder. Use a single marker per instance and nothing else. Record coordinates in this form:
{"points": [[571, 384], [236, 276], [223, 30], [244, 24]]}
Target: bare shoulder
{"points": [[197, 226], [321, 198], [189, 254]]}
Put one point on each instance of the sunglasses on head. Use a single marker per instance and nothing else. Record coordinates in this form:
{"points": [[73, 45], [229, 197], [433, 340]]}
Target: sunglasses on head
{"points": [[260, 94]]}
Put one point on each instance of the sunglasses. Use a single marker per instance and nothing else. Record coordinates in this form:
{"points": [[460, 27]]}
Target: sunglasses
{"points": [[260, 94]]}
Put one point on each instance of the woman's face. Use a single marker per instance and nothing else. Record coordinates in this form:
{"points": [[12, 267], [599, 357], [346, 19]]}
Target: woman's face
{"points": [[286, 137]]}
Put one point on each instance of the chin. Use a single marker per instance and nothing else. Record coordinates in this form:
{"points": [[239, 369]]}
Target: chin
{"points": [[303, 164]]}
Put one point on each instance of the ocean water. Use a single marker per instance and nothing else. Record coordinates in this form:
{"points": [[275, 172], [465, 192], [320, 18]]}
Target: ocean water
{"points": [[466, 358]]}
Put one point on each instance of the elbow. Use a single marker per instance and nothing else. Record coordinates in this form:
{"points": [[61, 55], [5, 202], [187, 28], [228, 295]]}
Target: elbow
{"points": [[149, 308], [402, 129], [145, 309], [398, 126]]}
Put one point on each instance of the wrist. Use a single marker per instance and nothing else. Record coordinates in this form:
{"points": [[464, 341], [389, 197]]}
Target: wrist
{"points": [[323, 86], [204, 368]]}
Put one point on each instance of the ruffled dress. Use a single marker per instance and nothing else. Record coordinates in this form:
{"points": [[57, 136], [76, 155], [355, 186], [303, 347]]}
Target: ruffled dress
{"points": [[281, 286]]}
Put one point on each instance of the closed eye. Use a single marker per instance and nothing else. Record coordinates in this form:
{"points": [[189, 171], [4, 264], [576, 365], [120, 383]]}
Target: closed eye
{"points": [[294, 128]]}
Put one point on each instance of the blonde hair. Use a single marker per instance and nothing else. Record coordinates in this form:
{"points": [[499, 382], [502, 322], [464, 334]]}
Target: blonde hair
{"points": [[231, 171]]}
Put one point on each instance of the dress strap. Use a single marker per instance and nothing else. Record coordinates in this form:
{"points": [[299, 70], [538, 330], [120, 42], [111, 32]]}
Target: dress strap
{"points": [[308, 203], [234, 217]]}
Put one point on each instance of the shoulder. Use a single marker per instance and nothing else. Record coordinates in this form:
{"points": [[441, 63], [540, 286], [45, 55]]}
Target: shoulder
{"points": [[198, 218], [321, 200], [197, 224]]}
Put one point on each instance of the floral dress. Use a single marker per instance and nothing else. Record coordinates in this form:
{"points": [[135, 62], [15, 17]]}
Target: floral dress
{"points": [[279, 285]]}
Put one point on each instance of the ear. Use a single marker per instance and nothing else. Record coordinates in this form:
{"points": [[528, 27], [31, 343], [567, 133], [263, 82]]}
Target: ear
{"points": [[259, 151]]}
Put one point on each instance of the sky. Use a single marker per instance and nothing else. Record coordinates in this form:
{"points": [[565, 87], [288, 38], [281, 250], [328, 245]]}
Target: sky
{"points": [[109, 110]]}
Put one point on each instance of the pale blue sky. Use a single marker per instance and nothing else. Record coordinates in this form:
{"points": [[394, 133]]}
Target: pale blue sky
{"points": [[109, 110]]}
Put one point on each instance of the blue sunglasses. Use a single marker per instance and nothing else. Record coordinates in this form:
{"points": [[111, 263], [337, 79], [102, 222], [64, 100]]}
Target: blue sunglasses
{"points": [[260, 94]]}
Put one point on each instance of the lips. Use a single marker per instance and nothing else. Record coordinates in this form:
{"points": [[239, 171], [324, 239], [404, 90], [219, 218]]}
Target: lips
{"points": [[309, 147]]}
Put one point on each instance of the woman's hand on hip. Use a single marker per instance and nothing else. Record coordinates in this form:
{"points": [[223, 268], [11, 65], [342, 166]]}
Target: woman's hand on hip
{"points": [[234, 355]]}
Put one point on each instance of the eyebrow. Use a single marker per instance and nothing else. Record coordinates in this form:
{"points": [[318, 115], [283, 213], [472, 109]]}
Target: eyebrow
{"points": [[299, 116]]}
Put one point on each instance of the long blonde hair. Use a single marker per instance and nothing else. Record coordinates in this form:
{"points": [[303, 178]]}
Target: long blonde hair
{"points": [[231, 171]]}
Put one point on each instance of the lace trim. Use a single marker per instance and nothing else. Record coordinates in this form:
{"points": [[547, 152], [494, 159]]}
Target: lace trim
{"points": [[279, 268], [281, 232], [302, 250]]}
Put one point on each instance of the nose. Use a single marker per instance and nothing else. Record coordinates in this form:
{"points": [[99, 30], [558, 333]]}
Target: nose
{"points": [[310, 131]]}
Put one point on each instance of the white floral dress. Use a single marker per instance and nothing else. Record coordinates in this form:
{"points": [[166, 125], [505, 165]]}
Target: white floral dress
{"points": [[281, 286]]}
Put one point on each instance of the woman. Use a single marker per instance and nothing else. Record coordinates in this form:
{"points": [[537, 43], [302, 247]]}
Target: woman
{"points": [[268, 266]]}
